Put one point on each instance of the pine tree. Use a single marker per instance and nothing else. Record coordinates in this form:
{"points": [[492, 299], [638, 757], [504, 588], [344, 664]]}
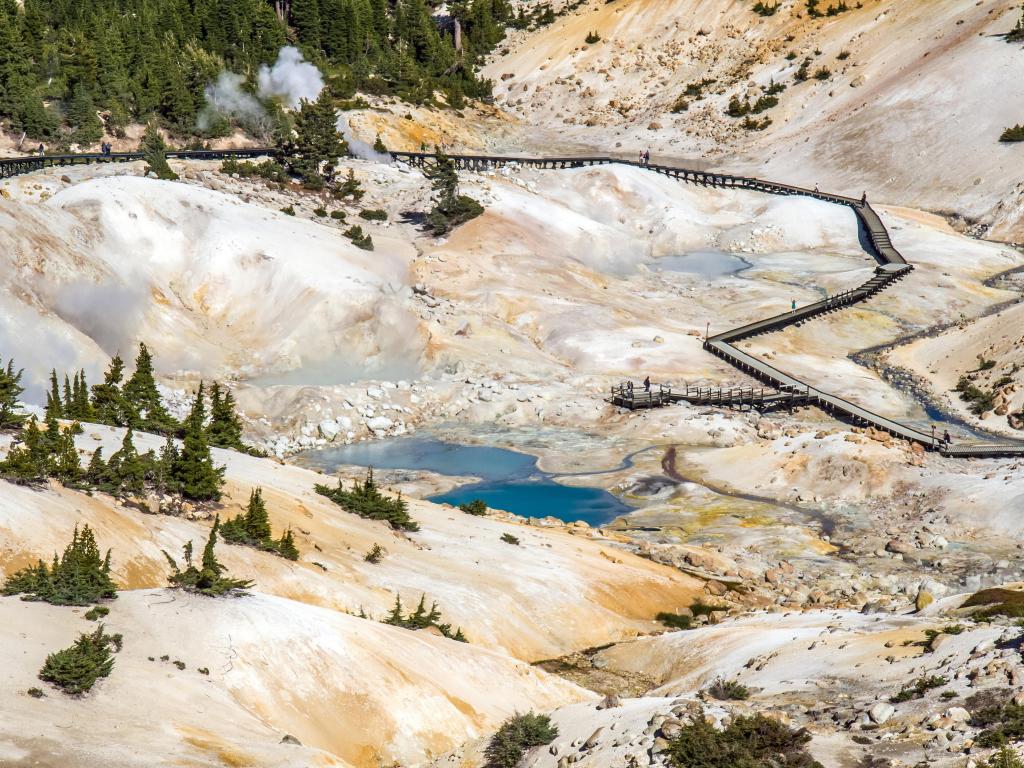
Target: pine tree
{"points": [[142, 395], [154, 151], [78, 577], [286, 546], [76, 669], [395, 617], [225, 429], [194, 472], [450, 208], [350, 187], [81, 406], [126, 469], [67, 467], [54, 406], [211, 578], [27, 464], [82, 117], [109, 404], [96, 472], [317, 146], [10, 391]]}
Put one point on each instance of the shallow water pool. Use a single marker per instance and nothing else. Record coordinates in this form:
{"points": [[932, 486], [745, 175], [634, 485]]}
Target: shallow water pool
{"points": [[509, 480], [708, 263]]}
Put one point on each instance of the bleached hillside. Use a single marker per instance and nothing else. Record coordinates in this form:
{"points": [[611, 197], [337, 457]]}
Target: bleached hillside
{"points": [[913, 102], [217, 284]]}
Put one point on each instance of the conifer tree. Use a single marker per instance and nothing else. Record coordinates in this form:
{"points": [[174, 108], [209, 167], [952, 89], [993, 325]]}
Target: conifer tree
{"points": [[96, 472], [66, 465], [82, 117], [142, 395], [109, 404], [194, 473], [286, 546], [450, 208], [126, 470], [76, 669], [225, 429], [10, 391], [79, 577], [154, 151], [81, 406], [210, 578], [317, 147], [28, 463], [54, 406]]}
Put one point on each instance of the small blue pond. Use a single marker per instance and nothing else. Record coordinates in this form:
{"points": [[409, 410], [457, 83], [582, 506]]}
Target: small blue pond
{"points": [[508, 480], [705, 263]]}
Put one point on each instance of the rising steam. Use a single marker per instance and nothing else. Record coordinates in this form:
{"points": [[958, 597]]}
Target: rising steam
{"points": [[292, 79], [360, 148]]}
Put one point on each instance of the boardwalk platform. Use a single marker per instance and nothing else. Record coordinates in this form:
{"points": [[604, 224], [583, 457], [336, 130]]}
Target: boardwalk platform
{"points": [[632, 397]]}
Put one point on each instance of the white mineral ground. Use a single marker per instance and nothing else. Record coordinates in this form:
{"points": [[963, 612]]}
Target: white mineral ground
{"points": [[511, 331]]}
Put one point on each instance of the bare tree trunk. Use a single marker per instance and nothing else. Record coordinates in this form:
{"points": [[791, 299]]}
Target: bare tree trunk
{"points": [[458, 36]]}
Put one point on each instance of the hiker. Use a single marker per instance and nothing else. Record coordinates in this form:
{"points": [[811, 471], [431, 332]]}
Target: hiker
{"points": [[647, 157], [864, 198], [792, 305], [946, 438], [647, 384], [42, 150], [641, 160], [816, 188]]}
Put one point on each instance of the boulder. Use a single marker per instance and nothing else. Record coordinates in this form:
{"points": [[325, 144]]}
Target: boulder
{"points": [[328, 429], [881, 712]]}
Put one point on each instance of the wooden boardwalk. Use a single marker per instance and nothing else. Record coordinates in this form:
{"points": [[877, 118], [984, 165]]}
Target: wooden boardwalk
{"points": [[784, 390]]}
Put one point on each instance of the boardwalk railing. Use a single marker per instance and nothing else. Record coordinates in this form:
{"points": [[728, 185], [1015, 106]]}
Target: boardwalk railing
{"points": [[891, 267]]}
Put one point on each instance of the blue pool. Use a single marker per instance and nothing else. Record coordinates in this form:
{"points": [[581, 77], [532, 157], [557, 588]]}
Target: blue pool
{"points": [[705, 263], [509, 480]]}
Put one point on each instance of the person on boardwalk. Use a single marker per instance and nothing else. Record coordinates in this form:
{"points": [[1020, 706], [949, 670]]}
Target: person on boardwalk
{"points": [[816, 188], [864, 198], [647, 384], [792, 305], [647, 157], [641, 160], [946, 438], [42, 150]]}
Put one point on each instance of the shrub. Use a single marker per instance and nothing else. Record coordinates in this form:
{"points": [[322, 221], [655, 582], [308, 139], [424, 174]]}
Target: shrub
{"points": [[515, 736], [320, 212], [359, 240], [729, 690], [765, 10], [421, 618], [508, 538], [288, 210], [591, 38], [764, 103], [36, 693], [756, 125], [737, 108], [753, 741], [338, 215], [675, 620], [1006, 757], [96, 612], [979, 401], [475, 507], [919, 688], [824, 73], [804, 71], [1002, 724], [374, 214], [74, 670], [179, 664], [268, 169], [375, 555], [791, 56], [1013, 134], [997, 602], [366, 500], [843, 55]]}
